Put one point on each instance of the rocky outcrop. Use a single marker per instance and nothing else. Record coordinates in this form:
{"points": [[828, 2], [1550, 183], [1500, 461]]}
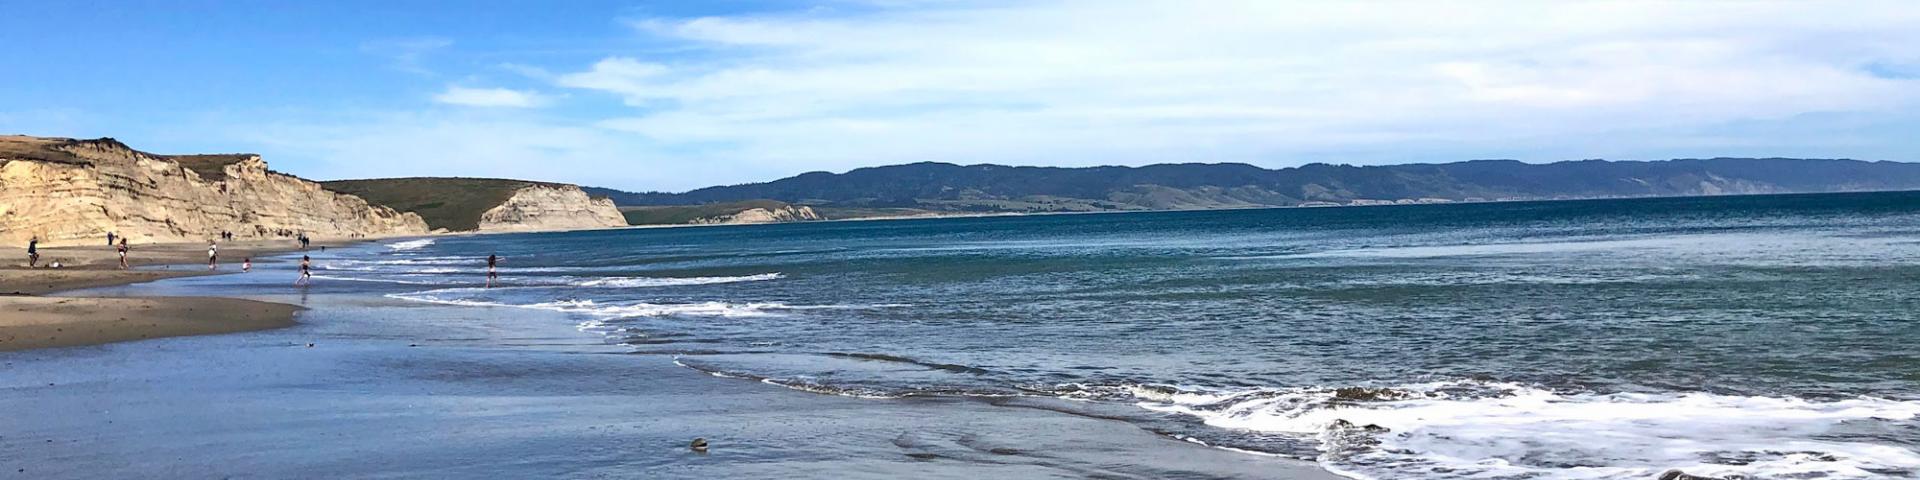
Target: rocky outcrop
{"points": [[459, 204], [789, 213], [68, 191], [551, 207]]}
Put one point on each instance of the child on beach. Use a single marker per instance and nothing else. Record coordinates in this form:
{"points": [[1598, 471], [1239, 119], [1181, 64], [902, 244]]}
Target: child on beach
{"points": [[213, 254], [33, 252], [123, 253], [306, 271], [246, 264]]}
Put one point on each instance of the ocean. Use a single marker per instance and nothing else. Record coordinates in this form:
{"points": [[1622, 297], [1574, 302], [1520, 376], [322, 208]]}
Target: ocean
{"points": [[1764, 336]]}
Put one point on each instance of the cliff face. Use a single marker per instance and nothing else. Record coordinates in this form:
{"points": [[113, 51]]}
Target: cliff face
{"points": [[789, 213], [67, 191], [487, 204], [550, 207]]}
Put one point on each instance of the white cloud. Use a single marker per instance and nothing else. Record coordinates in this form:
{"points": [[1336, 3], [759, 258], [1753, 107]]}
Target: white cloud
{"points": [[1270, 82], [489, 97]]}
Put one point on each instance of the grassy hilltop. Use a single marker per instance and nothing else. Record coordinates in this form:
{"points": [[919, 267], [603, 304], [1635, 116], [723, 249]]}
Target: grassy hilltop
{"points": [[450, 203]]}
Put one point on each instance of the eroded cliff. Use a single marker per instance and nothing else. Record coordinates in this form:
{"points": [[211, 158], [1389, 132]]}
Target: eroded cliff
{"points": [[551, 207], [67, 191], [789, 213], [487, 204]]}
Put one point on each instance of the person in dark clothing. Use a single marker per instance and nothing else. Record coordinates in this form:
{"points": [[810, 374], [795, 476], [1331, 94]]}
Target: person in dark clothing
{"points": [[493, 269], [33, 252], [109, 239], [306, 271]]}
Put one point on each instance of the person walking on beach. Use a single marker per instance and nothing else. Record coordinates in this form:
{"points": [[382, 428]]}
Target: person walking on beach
{"points": [[306, 271], [123, 253], [33, 252], [109, 239], [213, 254], [493, 269], [246, 265]]}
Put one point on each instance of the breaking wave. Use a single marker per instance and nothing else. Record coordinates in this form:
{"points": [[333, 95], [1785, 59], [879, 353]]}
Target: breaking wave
{"points": [[1501, 430], [410, 245], [589, 307]]}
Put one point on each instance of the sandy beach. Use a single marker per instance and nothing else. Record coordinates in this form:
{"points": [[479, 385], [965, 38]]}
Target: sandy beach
{"points": [[40, 322], [29, 319]]}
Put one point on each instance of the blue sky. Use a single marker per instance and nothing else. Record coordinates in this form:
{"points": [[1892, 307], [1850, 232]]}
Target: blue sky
{"points": [[677, 95]]}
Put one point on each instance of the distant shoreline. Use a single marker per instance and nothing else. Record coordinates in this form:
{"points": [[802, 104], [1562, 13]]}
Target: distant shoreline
{"points": [[1260, 207]]}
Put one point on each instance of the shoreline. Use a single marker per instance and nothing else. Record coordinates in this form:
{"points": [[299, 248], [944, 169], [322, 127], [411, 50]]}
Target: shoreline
{"points": [[29, 323], [1384, 203], [35, 313], [469, 390]]}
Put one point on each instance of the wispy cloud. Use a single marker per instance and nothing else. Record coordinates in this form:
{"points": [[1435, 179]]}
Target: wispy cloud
{"points": [[489, 97], [407, 54], [1081, 82], [686, 102]]}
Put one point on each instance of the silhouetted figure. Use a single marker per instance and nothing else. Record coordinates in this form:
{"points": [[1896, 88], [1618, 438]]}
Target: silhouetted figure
{"points": [[493, 269], [306, 271], [33, 252]]}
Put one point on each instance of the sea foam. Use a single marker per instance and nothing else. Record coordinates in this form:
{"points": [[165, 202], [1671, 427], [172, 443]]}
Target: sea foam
{"points": [[449, 296], [410, 245], [1495, 430]]}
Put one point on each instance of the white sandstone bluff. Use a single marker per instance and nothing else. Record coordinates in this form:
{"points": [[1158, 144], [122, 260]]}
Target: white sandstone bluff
{"points": [[789, 213], [67, 191], [551, 207]]}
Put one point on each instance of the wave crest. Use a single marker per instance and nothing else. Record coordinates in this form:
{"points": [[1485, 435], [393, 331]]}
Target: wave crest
{"points": [[410, 245], [1503, 430]]}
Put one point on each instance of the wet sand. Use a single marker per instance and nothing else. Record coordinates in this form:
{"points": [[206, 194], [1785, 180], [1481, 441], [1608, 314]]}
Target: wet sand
{"points": [[394, 389], [43, 322], [30, 320]]}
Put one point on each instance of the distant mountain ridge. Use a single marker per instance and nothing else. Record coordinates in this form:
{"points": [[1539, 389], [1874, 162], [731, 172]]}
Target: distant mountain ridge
{"points": [[998, 188]]}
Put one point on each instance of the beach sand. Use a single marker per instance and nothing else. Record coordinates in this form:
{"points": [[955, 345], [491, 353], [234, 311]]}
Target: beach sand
{"points": [[400, 389], [41, 322], [30, 320]]}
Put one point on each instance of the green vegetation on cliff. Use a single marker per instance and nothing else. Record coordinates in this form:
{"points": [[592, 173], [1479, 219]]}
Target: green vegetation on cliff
{"points": [[451, 203]]}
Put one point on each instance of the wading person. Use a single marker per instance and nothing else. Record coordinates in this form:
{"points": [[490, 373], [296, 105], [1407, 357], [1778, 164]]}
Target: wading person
{"points": [[306, 271], [493, 269]]}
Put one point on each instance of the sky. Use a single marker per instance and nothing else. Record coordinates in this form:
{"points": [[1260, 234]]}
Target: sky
{"points": [[672, 96]]}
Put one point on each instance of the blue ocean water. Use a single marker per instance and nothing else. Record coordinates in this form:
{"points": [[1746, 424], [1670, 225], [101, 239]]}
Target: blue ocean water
{"points": [[1767, 336]]}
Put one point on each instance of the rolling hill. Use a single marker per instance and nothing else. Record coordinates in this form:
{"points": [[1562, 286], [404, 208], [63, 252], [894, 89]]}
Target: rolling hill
{"points": [[944, 187]]}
